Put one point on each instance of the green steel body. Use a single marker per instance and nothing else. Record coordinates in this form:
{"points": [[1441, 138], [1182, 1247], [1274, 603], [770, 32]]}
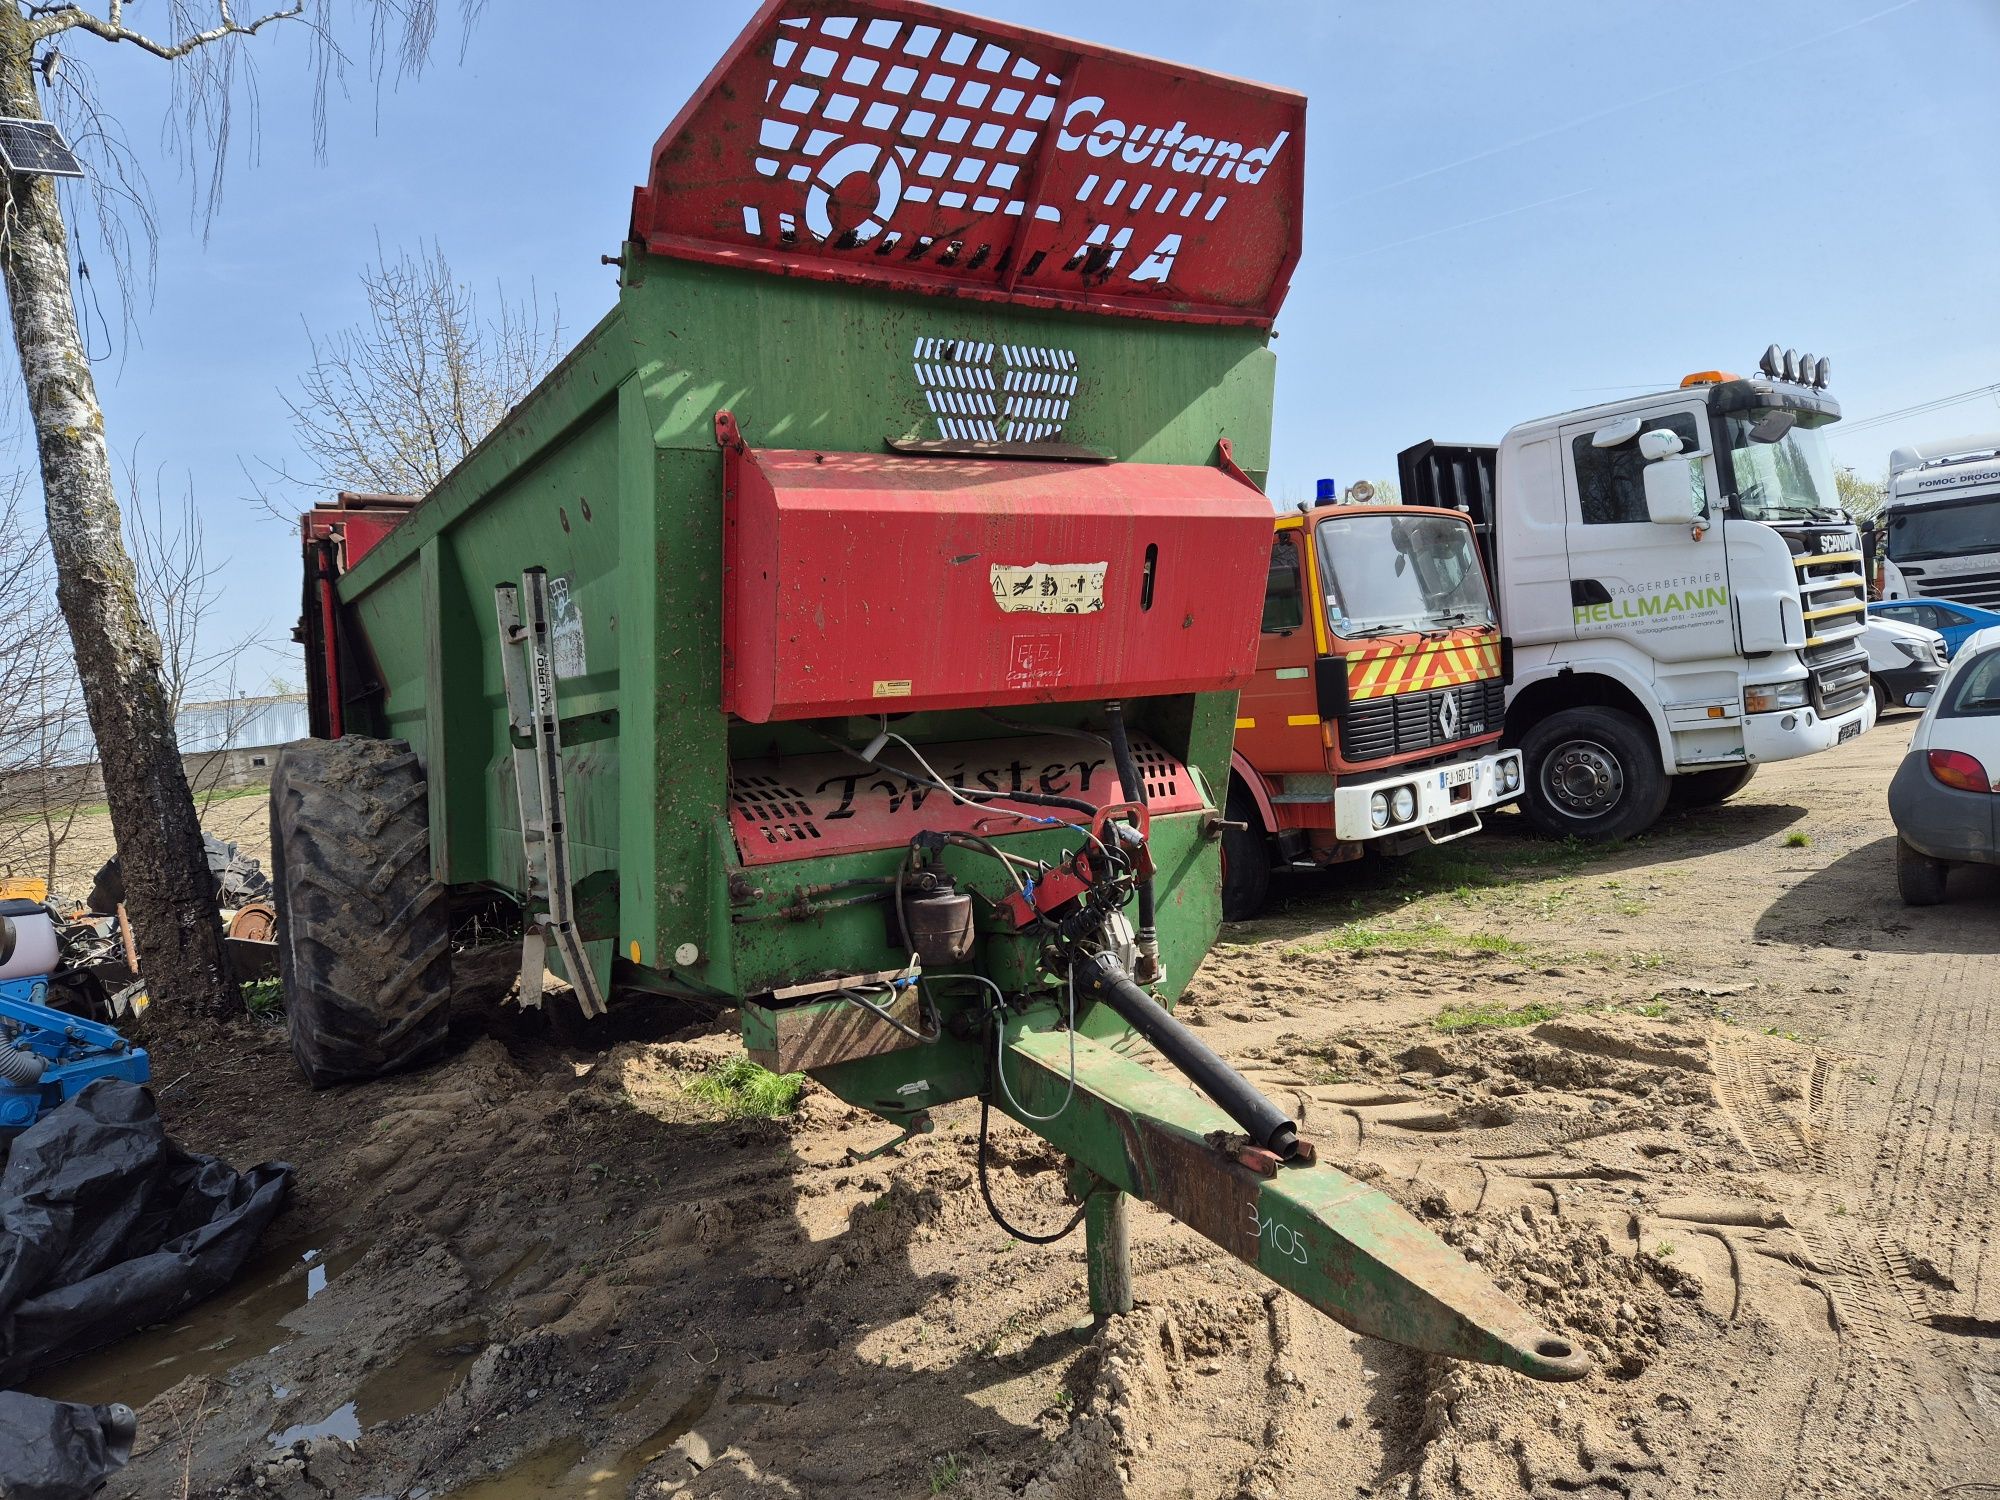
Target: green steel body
{"points": [[609, 475]]}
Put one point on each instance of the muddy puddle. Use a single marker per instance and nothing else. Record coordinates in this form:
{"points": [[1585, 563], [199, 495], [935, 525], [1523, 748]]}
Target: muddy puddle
{"points": [[211, 1339], [559, 1468], [415, 1380], [342, 1422], [421, 1376]]}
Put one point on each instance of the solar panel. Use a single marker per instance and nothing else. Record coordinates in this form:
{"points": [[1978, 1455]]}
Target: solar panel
{"points": [[36, 148]]}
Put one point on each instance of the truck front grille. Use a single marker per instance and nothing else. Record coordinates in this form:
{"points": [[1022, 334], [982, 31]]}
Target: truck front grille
{"points": [[1982, 589], [1839, 687], [1404, 723], [1826, 653], [1836, 605]]}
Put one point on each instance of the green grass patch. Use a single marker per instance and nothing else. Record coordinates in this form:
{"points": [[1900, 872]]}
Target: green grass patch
{"points": [[743, 1090], [202, 801], [264, 998], [1458, 874], [947, 1472], [1422, 937], [1797, 840], [1652, 1010], [1488, 1014]]}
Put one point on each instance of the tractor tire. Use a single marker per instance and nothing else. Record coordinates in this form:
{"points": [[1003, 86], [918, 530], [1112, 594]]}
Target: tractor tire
{"points": [[238, 878], [364, 931], [1246, 858], [1592, 774], [1919, 878], [1707, 788]]}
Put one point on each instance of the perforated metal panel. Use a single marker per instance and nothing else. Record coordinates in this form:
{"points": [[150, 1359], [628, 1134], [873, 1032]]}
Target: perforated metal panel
{"points": [[814, 805], [983, 392], [890, 141]]}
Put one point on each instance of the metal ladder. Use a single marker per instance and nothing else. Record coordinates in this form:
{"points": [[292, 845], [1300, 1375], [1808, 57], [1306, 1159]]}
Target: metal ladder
{"points": [[529, 672]]}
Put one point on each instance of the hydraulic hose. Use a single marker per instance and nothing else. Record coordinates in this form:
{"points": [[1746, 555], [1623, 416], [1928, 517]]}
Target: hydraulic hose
{"points": [[1135, 791], [1102, 977], [19, 1066]]}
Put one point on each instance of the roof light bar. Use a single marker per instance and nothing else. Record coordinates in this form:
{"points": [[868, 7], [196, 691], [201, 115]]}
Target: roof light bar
{"points": [[1790, 365]]}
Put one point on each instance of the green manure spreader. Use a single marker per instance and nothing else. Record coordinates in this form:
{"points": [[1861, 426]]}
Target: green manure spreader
{"points": [[848, 632]]}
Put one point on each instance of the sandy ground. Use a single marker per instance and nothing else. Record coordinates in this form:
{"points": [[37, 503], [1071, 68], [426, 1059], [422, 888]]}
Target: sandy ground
{"points": [[1739, 1143], [241, 817]]}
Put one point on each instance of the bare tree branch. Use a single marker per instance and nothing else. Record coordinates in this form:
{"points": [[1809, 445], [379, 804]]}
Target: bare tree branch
{"points": [[117, 651], [111, 28], [393, 403]]}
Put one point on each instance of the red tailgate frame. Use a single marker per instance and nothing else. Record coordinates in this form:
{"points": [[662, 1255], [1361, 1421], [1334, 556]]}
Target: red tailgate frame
{"points": [[897, 143]]}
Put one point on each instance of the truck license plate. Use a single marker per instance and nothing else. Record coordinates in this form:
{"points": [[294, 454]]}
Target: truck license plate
{"points": [[1452, 776], [1848, 732]]}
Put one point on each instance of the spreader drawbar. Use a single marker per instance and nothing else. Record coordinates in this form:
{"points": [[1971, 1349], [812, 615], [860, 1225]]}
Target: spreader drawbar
{"points": [[1344, 1246]]}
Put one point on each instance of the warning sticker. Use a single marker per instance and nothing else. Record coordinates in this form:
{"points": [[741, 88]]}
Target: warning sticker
{"points": [[566, 629], [897, 687], [1049, 588]]}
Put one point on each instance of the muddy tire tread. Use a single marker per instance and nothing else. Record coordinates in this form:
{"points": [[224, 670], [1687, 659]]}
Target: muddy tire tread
{"points": [[1246, 863], [363, 929]]}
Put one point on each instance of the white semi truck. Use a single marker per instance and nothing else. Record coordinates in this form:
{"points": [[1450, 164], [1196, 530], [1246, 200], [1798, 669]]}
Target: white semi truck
{"points": [[1938, 536], [1681, 598]]}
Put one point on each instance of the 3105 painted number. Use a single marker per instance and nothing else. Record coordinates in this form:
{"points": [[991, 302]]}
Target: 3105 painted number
{"points": [[1282, 1238]]}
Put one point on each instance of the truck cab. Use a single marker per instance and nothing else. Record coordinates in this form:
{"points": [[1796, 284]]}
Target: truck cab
{"points": [[1939, 532], [1375, 714], [1682, 596]]}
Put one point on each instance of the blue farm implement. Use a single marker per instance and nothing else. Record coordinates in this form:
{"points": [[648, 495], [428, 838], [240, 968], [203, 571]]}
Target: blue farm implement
{"points": [[47, 1056]]}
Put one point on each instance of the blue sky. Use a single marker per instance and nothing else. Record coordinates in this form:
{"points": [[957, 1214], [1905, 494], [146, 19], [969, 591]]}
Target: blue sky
{"points": [[1513, 209]]}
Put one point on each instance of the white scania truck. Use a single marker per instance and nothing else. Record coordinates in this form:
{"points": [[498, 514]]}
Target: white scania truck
{"points": [[1681, 599], [1939, 531]]}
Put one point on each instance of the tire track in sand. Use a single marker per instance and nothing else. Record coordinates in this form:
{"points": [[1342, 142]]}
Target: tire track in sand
{"points": [[1935, 1179]]}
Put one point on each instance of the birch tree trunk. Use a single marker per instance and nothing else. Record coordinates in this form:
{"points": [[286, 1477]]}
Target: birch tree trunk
{"points": [[170, 898]]}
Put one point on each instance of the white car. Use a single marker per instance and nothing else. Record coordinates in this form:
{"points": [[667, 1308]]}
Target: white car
{"points": [[1943, 797], [1903, 659]]}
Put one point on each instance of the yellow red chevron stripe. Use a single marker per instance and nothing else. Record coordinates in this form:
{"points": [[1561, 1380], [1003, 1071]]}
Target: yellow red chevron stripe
{"points": [[1381, 669]]}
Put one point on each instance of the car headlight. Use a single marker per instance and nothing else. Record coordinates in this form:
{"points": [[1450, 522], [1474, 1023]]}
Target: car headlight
{"points": [[1923, 653], [1402, 804], [1378, 810], [1767, 697]]}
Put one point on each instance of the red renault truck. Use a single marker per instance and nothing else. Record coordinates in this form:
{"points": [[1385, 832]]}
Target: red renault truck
{"points": [[1374, 717]]}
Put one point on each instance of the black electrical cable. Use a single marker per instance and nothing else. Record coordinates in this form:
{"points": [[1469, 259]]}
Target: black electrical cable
{"points": [[1066, 731], [1030, 799], [986, 1192], [925, 1010]]}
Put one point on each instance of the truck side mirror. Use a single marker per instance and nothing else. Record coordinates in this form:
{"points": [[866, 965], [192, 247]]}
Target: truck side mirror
{"points": [[1670, 492], [1658, 444], [1621, 431]]}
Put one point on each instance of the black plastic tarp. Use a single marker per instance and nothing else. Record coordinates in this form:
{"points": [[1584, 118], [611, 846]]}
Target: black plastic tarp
{"points": [[107, 1226], [59, 1450]]}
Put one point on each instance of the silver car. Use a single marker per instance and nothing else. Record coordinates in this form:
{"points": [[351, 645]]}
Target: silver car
{"points": [[1943, 797]]}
